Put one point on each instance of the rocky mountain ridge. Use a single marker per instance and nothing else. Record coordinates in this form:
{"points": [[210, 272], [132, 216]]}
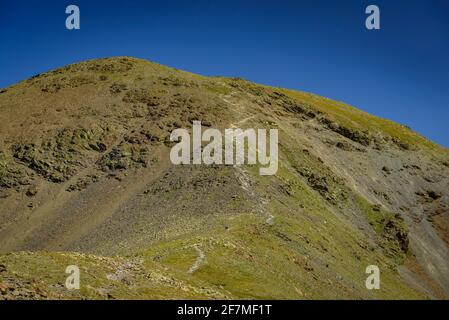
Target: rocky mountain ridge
{"points": [[85, 179]]}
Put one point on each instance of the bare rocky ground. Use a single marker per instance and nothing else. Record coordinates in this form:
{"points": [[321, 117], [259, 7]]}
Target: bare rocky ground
{"points": [[85, 179]]}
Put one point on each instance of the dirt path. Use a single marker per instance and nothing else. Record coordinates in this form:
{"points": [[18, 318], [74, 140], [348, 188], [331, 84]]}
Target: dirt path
{"points": [[199, 260], [236, 125]]}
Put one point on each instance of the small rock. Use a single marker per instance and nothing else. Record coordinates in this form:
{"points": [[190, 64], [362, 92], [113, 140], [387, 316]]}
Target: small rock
{"points": [[434, 195], [32, 191], [3, 288], [4, 194], [343, 145], [386, 170], [206, 123]]}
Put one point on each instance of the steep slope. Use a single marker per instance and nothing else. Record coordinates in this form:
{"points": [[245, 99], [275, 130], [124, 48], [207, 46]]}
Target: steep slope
{"points": [[85, 179]]}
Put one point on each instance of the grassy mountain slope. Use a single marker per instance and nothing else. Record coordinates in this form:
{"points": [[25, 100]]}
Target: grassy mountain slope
{"points": [[85, 179]]}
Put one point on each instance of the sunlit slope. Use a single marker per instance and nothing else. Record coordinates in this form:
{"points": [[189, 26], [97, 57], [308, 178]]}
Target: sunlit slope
{"points": [[85, 179]]}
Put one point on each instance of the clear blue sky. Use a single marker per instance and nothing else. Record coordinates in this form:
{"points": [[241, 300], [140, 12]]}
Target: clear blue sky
{"points": [[400, 72]]}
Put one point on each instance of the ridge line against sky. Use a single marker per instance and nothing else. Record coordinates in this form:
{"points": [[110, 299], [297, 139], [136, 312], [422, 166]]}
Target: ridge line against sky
{"points": [[398, 72]]}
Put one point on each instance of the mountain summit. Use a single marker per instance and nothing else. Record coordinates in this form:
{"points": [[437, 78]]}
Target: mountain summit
{"points": [[86, 180]]}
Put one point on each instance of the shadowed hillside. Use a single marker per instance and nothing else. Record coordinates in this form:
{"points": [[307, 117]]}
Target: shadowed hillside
{"points": [[86, 179]]}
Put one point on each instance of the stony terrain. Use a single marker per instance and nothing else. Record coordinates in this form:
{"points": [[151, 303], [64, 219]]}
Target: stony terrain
{"points": [[85, 179]]}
